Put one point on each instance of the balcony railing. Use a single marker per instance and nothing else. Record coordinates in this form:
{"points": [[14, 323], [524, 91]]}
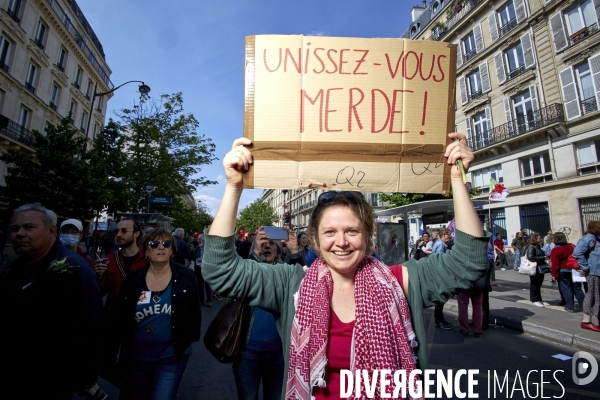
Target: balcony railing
{"points": [[64, 17], [61, 67], [3, 66], [543, 117], [30, 87], [461, 11], [509, 26], [39, 43], [16, 131], [14, 16], [582, 34], [475, 95], [76, 85], [589, 105], [470, 55], [438, 33], [53, 106], [515, 72]]}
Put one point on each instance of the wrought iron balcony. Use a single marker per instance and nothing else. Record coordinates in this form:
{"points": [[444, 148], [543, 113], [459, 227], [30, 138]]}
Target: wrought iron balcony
{"points": [[39, 43], [469, 55], [438, 33], [3, 66], [61, 67], [589, 105], [582, 34], [53, 106], [515, 72], [30, 87], [14, 16], [475, 95], [543, 117], [461, 11], [12, 129], [509, 26], [76, 84]]}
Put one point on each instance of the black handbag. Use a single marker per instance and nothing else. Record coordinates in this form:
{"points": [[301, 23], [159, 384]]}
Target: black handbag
{"points": [[226, 334]]}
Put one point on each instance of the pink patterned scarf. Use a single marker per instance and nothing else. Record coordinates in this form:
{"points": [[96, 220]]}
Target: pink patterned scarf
{"points": [[383, 336]]}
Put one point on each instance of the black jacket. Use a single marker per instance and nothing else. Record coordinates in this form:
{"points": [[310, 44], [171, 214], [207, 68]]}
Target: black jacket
{"points": [[183, 251], [51, 326], [185, 310], [535, 253]]}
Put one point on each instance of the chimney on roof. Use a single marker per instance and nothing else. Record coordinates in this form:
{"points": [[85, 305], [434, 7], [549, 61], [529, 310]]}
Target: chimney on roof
{"points": [[416, 12]]}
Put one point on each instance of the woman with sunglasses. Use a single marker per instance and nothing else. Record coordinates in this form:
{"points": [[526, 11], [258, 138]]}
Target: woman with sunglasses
{"points": [[347, 310], [158, 317]]}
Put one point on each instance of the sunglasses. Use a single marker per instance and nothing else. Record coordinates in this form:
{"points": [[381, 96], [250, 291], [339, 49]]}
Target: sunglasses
{"points": [[154, 244], [329, 197], [122, 230]]}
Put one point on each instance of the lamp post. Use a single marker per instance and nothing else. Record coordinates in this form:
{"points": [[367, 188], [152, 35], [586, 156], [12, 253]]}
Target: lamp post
{"points": [[143, 89]]}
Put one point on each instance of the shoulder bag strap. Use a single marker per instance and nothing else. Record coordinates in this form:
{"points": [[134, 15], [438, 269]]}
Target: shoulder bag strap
{"points": [[118, 260]]}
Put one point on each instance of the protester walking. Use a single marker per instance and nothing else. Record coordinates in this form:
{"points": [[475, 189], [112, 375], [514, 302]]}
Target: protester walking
{"points": [[158, 318], [517, 245], [587, 255], [535, 253], [562, 272], [347, 310]]}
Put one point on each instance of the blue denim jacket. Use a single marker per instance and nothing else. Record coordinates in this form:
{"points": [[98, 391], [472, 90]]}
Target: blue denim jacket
{"points": [[592, 262]]}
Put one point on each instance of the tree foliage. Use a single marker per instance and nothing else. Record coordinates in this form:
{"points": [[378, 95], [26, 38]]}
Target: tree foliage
{"points": [[161, 147], [403, 199], [56, 175], [257, 213], [189, 218]]}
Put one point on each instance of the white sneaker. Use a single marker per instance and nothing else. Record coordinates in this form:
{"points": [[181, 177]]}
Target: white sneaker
{"points": [[502, 269], [538, 304], [545, 303]]}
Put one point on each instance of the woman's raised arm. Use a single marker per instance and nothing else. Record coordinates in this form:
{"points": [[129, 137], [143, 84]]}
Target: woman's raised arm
{"points": [[235, 163]]}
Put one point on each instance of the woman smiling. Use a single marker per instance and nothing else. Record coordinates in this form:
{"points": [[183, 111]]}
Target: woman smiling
{"points": [[348, 310]]}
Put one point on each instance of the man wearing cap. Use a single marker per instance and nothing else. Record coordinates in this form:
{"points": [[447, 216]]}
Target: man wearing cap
{"points": [[51, 314], [71, 232]]}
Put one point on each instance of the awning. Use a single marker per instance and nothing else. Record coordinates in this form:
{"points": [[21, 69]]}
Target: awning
{"points": [[425, 208]]}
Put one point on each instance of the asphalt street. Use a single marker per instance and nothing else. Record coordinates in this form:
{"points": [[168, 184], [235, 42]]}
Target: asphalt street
{"points": [[500, 353]]}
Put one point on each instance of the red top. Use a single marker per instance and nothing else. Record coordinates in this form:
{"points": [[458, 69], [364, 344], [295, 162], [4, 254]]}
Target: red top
{"points": [[112, 279], [559, 256], [338, 350], [87, 257], [499, 244]]}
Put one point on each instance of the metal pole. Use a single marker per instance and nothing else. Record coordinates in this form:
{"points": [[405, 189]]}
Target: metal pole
{"points": [[93, 252], [148, 209]]}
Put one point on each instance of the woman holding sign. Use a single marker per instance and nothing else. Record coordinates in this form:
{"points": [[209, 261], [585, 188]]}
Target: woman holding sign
{"points": [[348, 310]]}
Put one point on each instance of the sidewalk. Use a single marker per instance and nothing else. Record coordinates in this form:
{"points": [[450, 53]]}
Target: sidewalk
{"points": [[510, 307]]}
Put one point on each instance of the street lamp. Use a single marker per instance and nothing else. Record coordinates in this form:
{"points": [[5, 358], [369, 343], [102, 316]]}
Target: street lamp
{"points": [[143, 89]]}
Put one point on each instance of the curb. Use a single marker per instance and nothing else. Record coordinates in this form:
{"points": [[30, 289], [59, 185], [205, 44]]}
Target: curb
{"points": [[537, 330]]}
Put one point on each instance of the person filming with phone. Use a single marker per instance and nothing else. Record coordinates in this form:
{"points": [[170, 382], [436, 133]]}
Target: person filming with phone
{"points": [[348, 310]]}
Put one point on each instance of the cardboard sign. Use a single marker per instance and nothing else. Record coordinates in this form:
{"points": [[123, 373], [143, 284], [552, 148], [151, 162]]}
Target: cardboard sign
{"points": [[349, 113]]}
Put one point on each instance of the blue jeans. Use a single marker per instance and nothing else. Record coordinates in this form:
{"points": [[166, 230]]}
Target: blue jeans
{"points": [[158, 380], [570, 288], [517, 259], [253, 366]]}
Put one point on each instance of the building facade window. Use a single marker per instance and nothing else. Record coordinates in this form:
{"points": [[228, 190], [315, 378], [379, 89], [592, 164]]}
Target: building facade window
{"points": [[580, 17], [474, 81], [61, 62], [23, 118], [586, 88], [73, 111], [78, 75], [4, 48], [30, 78], [14, 8], [507, 18], [54, 97], [515, 61], [83, 121], [588, 157], [536, 169], [480, 124], [40, 35], [88, 91], [523, 111]]}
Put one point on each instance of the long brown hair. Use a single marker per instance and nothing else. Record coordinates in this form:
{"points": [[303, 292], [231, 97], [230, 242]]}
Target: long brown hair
{"points": [[532, 239]]}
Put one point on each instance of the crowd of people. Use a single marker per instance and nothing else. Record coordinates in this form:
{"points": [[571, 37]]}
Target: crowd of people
{"points": [[321, 300]]}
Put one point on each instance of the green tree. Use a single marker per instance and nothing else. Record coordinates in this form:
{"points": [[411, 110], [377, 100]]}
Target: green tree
{"points": [[189, 218], [56, 175], [403, 199], [257, 213], [161, 147]]}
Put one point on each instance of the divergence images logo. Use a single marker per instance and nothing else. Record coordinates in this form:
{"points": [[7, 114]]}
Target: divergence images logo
{"points": [[589, 365]]}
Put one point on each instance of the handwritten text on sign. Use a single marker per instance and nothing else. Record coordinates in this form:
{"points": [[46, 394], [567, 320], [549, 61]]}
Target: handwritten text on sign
{"points": [[320, 99]]}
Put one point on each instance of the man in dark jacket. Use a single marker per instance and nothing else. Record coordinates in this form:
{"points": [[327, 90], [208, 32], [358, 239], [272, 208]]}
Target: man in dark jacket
{"points": [[52, 313], [183, 249]]}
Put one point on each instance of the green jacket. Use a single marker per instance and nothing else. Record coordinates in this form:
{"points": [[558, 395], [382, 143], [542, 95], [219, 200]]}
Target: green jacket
{"points": [[272, 287]]}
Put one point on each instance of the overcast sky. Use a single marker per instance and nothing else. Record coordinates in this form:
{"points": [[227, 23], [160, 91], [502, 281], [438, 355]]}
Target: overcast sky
{"points": [[197, 48]]}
